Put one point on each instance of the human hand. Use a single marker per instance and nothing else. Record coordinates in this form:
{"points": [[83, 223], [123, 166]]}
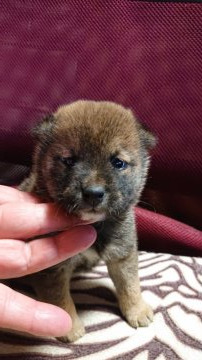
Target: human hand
{"points": [[23, 216]]}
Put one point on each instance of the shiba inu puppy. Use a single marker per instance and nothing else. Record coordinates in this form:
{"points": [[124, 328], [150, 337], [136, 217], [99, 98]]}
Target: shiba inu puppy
{"points": [[91, 158]]}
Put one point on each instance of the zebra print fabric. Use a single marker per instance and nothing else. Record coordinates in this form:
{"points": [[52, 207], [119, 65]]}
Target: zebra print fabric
{"points": [[171, 284]]}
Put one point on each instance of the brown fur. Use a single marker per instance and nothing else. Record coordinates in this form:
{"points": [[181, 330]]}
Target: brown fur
{"points": [[77, 149]]}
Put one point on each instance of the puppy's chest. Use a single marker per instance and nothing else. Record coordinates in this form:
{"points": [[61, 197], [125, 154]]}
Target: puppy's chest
{"points": [[111, 242], [98, 250], [104, 237]]}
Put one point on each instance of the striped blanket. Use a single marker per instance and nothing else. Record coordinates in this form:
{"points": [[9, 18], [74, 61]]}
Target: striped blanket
{"points": [[171, 284]]}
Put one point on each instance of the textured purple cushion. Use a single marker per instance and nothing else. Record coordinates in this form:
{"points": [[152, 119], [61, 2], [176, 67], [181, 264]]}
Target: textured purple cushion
{"points": [[145, 55]]}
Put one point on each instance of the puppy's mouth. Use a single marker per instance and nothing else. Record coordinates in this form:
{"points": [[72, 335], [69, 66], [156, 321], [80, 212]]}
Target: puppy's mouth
{"points": [[85, 212], [91, 205], [91, 215]]}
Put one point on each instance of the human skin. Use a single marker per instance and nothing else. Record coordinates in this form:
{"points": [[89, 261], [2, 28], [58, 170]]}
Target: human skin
{"points": [[23, 216]]}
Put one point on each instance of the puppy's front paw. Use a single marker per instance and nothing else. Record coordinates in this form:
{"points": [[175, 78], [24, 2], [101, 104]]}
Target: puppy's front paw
{"points": [[139, 315], [75, 333]]}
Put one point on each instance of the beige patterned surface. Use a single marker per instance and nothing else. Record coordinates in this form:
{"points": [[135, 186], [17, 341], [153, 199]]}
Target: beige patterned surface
{"points": [[171, 284]]}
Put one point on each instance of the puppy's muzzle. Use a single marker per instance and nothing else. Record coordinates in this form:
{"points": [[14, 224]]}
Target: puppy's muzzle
{"points": [[93, 195]]}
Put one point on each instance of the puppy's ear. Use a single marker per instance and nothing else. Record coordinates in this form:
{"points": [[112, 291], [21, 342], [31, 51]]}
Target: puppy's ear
{"points": [[147, 139], [43, 130]]}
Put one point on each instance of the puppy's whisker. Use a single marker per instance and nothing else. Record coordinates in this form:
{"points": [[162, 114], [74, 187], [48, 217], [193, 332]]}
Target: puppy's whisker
{"points": [[75, 207], [151, 206], [58, 208], [72, 207]]}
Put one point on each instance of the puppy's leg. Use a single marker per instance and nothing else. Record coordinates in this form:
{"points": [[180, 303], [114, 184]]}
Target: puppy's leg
{"points": [[53, 286], [124, 273]]}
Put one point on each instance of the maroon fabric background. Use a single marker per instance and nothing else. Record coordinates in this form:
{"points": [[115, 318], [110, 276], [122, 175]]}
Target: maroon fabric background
{"points": [[145, 55]]}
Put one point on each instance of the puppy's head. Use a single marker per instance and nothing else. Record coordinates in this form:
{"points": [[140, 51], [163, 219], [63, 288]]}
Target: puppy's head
{"points": [[92, 158]]}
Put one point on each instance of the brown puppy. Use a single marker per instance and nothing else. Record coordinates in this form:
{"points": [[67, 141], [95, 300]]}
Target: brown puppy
{"points": [[91, 158]]}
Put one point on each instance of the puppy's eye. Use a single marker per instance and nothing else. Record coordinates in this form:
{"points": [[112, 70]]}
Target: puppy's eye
{"points": [[69, 161], [118, 163]]}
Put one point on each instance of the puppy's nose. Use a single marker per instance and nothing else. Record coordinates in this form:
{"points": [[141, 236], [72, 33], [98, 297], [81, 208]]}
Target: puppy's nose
{"points": [[94, 194]]}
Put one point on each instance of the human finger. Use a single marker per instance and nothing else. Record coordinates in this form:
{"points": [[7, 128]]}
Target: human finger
{"points": [[25, 220], [19, 312], [19, 258], [11, 195]]}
